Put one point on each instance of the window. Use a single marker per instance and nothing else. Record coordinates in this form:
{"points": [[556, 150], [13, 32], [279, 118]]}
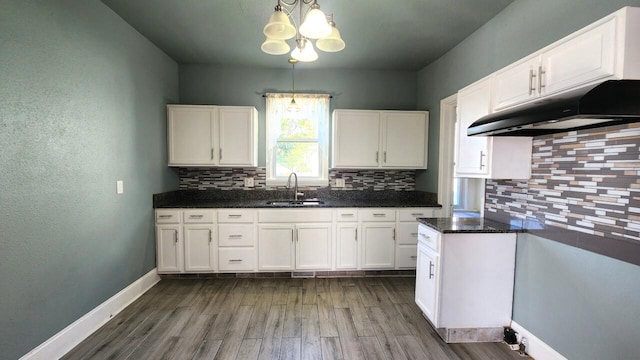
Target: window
{"points": [[298, 141]]}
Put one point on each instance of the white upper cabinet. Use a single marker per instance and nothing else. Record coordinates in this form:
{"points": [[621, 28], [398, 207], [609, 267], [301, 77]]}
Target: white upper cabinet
{"points": [[497, 157], [604, 50], [367, 139], [356, 139], [404, 139], [201, 135]]}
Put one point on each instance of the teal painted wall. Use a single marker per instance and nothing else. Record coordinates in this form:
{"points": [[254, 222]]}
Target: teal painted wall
{"points": [[351, 89], [582, 304], [83, 105]]}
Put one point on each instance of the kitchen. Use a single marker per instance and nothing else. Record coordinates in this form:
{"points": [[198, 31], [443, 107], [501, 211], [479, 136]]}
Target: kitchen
{"points": [[68, 137]]}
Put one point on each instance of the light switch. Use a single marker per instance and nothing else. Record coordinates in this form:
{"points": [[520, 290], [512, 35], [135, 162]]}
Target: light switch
{"points": [[248, 182], [339, 183], [119, 187]]}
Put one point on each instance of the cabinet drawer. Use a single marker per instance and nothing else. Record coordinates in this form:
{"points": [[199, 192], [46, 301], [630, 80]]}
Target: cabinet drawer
{"points": [[235, 235], [347, 215], [378, 215], [294, 216], [236, 259], [198, 216], [407, 256], [167, 216], [411, 214], [429, 237], [408, 233], [236, 216]]}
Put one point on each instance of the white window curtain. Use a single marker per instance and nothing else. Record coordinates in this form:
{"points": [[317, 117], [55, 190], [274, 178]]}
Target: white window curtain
{"points": [[297, 141]]}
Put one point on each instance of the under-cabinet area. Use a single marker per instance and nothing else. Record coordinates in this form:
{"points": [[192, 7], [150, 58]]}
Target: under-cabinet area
{"points": [[268, 240]]}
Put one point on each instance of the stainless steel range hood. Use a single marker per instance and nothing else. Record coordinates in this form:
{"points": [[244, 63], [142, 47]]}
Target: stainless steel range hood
{"points": [[612, 102]]}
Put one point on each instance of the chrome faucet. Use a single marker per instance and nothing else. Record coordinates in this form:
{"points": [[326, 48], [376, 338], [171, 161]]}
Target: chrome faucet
{"points": [[295, 186]]}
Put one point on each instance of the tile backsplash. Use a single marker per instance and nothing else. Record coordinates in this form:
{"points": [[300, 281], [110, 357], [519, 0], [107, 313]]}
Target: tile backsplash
{"points": [[233, 179], [587, 181]]}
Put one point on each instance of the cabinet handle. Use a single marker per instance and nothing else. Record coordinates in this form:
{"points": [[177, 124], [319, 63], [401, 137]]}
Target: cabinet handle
{"points": [[212, 153], [165, 216], [234, 236], [356, 234], [220, 154], [292, 236], [346, 215], [541, 85], [413, 257], [414, 234], [394, 234], [417, 214], [196, 216], [176, 236], [532, 76], [376, 156], [210, 235], [379, 215], [482, 155], [234, 216], [297, 235], [385, 157], [235, 260], [431, 267]]}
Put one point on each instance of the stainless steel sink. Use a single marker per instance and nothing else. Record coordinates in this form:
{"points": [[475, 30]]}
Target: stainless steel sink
{"points": [[295, 203]]}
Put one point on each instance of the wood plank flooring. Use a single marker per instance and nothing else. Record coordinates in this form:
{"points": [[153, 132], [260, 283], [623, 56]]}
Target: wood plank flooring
{"points": [[317, 318]]}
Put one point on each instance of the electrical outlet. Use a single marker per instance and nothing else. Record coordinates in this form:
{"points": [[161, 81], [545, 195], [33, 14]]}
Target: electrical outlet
{"points": [[339, 183], [248, 182], [119, 187]]}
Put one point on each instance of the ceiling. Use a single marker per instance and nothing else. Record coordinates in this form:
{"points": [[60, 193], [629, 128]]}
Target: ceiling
{"points": [[380, 34]]}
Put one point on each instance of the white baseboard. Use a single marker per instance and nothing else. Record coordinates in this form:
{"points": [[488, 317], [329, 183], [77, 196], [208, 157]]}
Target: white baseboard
{"points": [[72, 335], [536, 348]]}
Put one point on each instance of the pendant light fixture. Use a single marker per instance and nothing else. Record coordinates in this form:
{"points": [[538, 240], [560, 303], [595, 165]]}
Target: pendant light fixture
{"points": [[314, 24], [293, 106]]}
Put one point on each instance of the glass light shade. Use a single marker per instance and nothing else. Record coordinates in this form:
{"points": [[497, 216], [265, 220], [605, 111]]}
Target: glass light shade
{"points": [[275, 47], [332, 43], [293, 106], [315, 25], [279, 26], [307, 54]]}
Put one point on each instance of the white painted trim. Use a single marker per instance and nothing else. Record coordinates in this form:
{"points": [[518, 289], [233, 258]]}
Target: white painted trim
{"points": [[536, 348], [65, 340], [445, 163]]}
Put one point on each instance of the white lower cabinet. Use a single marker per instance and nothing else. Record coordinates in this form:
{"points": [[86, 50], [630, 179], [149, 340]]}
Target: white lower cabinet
{"points": [[465, 281], [199, 248], [169, 248], [378, 245], [347, 246], [427, 277], [275, 247], [313, 246]]}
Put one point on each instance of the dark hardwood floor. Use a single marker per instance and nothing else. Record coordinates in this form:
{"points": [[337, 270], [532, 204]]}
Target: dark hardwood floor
{"points": [[346, 318]]}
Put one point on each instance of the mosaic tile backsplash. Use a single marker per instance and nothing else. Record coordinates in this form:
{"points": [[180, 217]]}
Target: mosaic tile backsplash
{"points": [[584, 180], [233, 179]]}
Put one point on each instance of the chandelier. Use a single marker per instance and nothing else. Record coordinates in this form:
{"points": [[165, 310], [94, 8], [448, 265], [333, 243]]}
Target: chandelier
{"points": [[316, 25]]}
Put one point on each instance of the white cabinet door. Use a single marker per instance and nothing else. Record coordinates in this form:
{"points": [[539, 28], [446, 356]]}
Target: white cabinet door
{"points": [[169, 248], [516, 84], [275, 247], [426, 283], [581, 60], [378, 245], [190, 135], [313, 246], [199, 248], [404, 137], [347, 246], [472, 152], [356, 139], [237, 136]]}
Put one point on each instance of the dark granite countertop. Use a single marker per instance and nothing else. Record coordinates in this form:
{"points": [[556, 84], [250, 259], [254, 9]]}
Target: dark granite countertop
{"points": [[470, 225], [259, 199]]}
